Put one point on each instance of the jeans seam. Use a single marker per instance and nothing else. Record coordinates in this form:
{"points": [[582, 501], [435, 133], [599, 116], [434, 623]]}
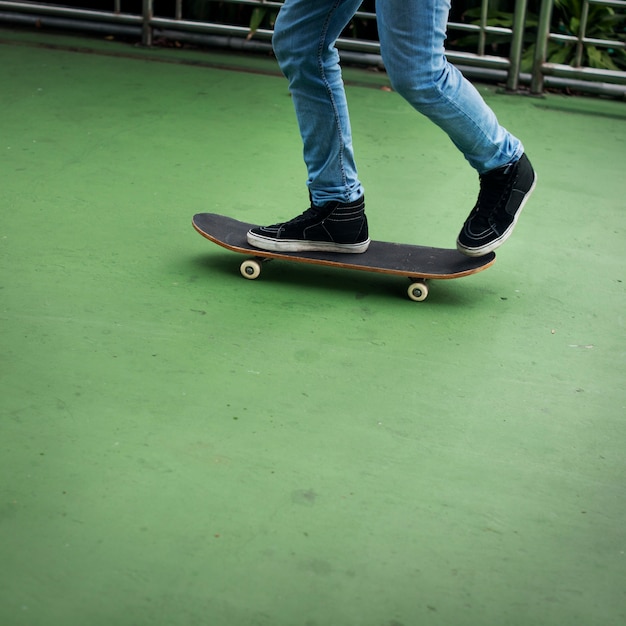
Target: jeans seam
{"points": [[331, 98]]}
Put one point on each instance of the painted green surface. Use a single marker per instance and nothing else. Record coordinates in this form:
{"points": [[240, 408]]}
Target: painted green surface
{"points": [[179, 446]]}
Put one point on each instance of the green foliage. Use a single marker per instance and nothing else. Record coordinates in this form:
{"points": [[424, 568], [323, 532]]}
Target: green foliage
{"points": [[211, 11], [261, 17], [495, 42], [603, 23], [254, 17]]}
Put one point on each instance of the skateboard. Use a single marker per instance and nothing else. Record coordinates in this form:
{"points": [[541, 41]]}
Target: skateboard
{"points": [[417, 263]]}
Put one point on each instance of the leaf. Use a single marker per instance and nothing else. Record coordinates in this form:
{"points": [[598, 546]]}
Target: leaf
{"points": [[599, 59], [256, 19], [559, 54]]}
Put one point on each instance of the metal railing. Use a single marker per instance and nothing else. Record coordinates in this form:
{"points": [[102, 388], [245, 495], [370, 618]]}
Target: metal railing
{"points": [[594, 79], [149, 27]]}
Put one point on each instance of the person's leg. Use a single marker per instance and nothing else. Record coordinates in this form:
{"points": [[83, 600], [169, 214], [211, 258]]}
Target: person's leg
{"points": [[304, 43], [412, 35]]}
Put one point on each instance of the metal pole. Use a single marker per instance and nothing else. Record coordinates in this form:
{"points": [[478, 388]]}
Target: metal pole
{"points": [[147, 14], [517, 44], [482, 36], [541, 48], [582, 33]]}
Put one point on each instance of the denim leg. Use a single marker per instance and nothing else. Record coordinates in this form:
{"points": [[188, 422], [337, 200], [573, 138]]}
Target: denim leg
{"points": [[304, 36], [412, 35]]}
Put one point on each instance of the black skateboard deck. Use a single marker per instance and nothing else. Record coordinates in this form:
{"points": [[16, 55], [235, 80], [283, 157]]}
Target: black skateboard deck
{"points": [[418, 263]]}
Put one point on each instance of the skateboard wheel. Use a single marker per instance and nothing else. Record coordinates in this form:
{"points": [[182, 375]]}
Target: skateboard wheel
{"points": [[250, 269], [418, 292]]}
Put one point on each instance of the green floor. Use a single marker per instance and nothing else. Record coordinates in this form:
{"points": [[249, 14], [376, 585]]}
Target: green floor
{"points": [[181, 447]]}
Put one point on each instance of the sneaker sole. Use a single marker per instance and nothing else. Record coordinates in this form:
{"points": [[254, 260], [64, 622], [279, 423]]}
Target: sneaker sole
{"points": [[294, 245], [496, 243]]}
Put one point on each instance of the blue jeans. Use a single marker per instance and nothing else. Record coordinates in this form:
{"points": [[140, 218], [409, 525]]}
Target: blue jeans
{"points": [[412, 35]]}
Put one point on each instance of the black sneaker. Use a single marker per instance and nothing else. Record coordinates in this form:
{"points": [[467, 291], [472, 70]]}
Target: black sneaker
{"points": [[503, 193], [332, 227]]}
